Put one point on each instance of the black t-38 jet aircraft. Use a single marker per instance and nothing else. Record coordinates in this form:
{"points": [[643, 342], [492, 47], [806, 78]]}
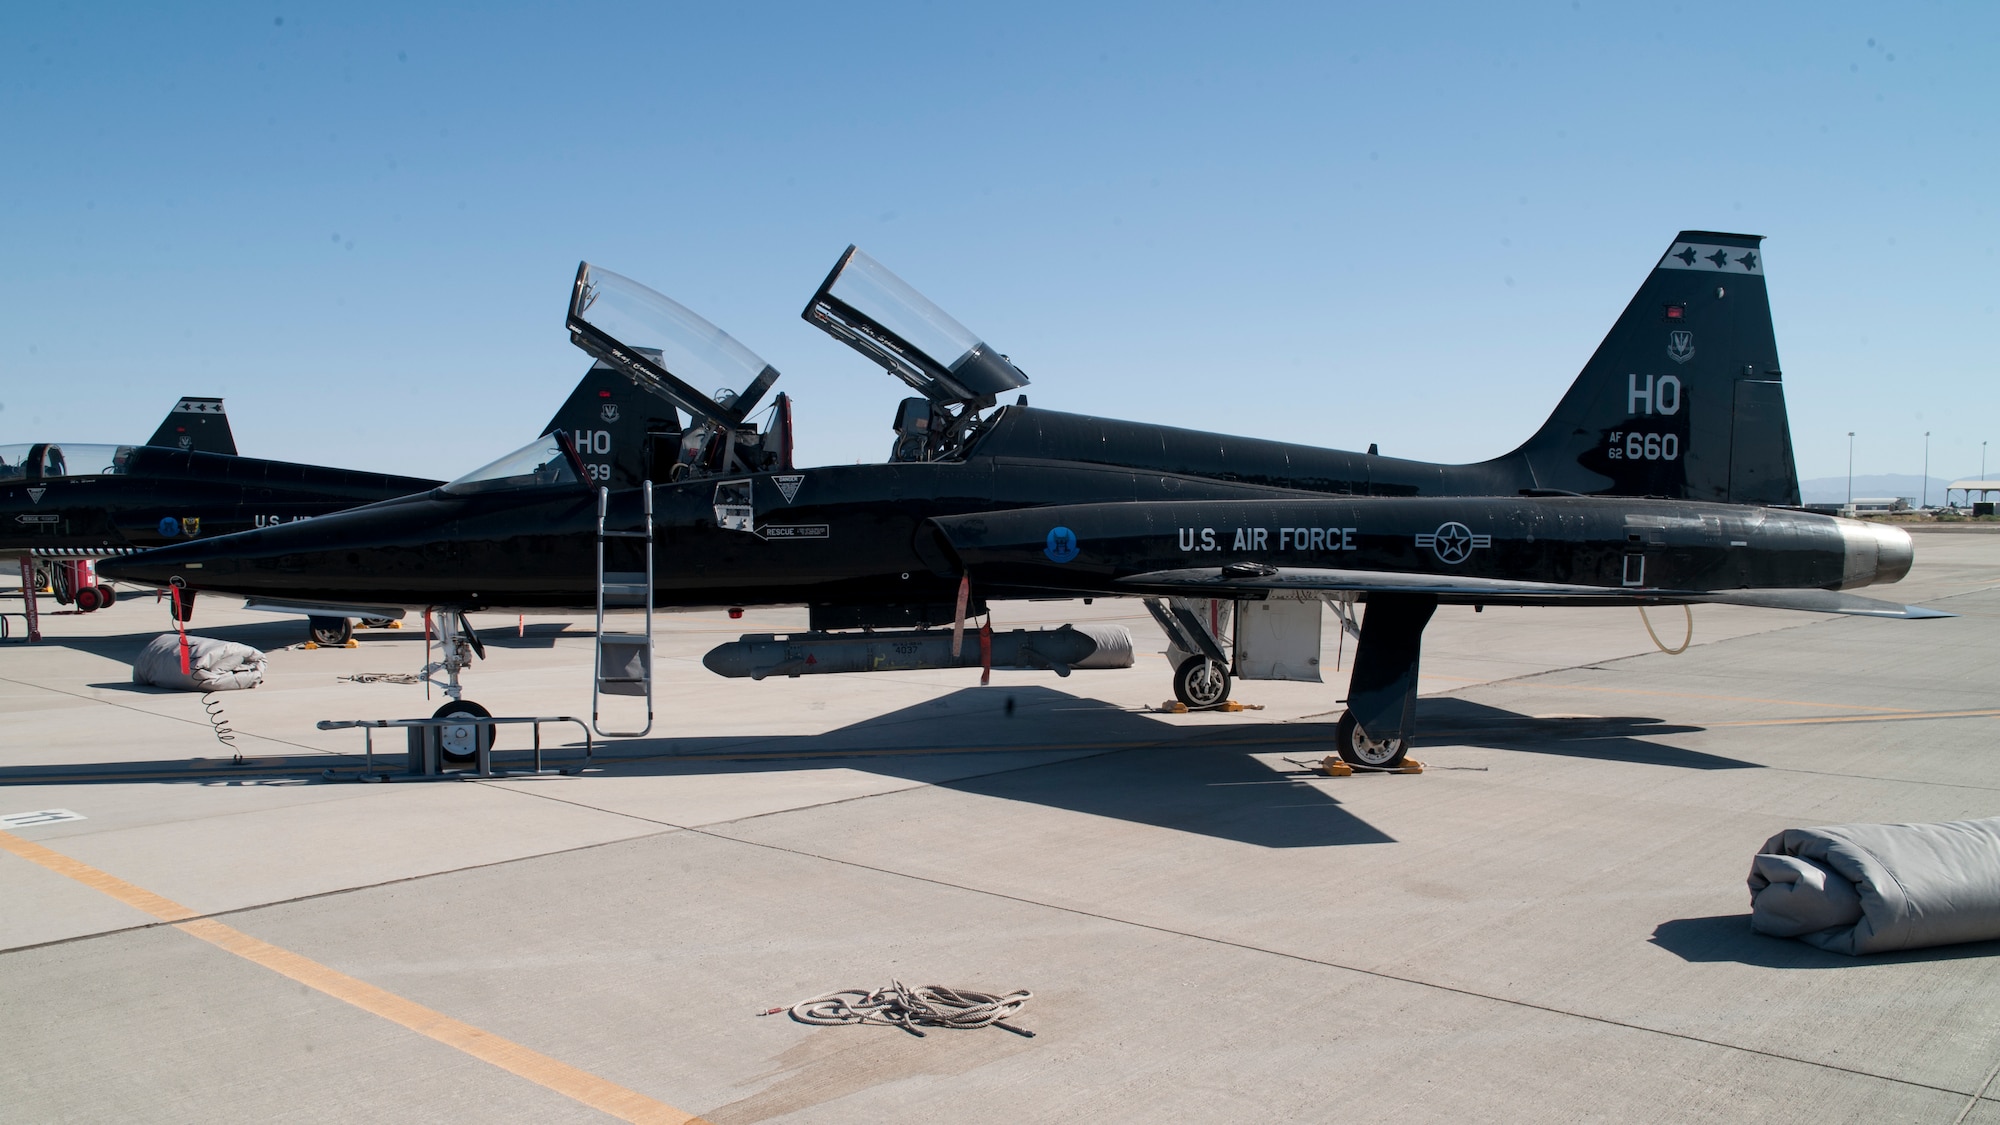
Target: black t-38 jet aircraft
{"points": [[68, 501], [1663, 476], [27, 537]]}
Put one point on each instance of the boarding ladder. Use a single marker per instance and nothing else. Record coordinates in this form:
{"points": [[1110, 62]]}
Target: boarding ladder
{"points": [[624, 660]]}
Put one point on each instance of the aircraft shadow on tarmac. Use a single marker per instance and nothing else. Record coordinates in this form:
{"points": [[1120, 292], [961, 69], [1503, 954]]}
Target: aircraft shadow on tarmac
{"points": [[1200, 779], [1728, 937], [1138, 769], [1616, 738]]}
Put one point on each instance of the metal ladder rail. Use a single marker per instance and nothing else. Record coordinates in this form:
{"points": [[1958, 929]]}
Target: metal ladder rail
{"points": [[624, 645]]}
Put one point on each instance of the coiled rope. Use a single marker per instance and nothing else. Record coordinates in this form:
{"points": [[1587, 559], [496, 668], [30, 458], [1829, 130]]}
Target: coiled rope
{"points": [[899, 1005], [1685, 641]]}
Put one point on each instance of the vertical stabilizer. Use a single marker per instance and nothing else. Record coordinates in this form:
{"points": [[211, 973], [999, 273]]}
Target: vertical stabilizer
{"points": [[615, 426], [198, 424], [1684, 398]]}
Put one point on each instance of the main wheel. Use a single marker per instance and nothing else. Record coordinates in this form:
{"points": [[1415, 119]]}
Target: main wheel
{"points": [[456, 743], [330, 632], [1201, 683], [1357, 749]]}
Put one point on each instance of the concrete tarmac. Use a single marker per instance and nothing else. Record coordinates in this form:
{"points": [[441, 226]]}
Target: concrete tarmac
{"points": [[1549, 924]]}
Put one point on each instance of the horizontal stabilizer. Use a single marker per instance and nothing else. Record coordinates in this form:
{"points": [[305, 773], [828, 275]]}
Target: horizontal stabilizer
{"points": [[1825, 601]]}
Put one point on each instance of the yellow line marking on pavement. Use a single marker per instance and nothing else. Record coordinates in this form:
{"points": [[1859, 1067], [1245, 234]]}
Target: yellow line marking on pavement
{"points": [[580, 1085], [1719, 698], [1899, 717]]}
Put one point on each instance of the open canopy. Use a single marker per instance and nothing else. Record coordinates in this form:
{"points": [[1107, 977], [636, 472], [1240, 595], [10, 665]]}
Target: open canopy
{"points": [[875, 312], [665, 348]]}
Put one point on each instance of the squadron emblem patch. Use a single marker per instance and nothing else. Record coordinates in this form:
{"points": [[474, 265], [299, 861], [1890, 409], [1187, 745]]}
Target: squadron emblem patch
{"points": [[1680, 345]]}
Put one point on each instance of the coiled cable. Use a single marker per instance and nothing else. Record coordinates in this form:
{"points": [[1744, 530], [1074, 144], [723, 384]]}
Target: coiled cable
{"points": [[223, 733]]}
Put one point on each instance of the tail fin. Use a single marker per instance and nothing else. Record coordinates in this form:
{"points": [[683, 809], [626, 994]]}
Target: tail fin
{"points": [[1684, 397], [198, 424], [620, 431]]}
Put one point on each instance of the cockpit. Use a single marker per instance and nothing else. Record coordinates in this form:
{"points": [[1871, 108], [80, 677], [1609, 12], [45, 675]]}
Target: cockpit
{"points": [[49, 460], [543, 461], [668, 350]]}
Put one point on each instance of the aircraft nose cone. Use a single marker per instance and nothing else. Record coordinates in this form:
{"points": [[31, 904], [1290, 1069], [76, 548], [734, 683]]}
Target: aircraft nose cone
{"points": [[1873, 553]]}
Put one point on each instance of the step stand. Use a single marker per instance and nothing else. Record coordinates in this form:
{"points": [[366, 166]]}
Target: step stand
{"points": [[624, 660], [30, 615], [426, 738]]}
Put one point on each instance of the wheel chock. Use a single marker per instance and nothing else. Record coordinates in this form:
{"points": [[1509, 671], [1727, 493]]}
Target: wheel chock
{"points": [[351, 643], [395, 625], [1173, 707], [310, 645], [1335, 766]]}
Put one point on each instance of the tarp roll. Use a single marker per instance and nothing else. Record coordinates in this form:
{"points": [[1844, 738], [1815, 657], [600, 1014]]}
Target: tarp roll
{"points": [[1872, 888], [212, 665]]}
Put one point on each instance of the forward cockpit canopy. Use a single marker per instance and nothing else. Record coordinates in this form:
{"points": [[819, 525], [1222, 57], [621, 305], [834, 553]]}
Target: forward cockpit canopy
{"points": [[665, 347]]}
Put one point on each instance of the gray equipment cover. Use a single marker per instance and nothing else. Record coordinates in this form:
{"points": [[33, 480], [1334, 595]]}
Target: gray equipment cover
{"points": [[1114, 646], [1872, 888], [212, 665]]}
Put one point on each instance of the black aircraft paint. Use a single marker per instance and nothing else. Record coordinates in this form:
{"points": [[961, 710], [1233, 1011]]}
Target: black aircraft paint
{"points": [[1404, 556], [1678, 417], [69, 500]]}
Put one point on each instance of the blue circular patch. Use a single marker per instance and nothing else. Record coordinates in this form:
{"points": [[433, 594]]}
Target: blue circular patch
{"points": [[1061, 546], [170, 527]]}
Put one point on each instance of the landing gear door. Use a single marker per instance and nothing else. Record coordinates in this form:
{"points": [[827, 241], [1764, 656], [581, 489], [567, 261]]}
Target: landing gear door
{"points": [[1278, 640], [734, 510]]}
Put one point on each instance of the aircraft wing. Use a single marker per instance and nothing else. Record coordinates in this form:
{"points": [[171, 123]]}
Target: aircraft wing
{"points": [[325, 609], [1234, 581]]}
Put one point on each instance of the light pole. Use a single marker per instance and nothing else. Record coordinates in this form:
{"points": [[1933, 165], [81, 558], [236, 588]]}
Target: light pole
{"points": [[1927, 472], [1850, 468], [1982, 460]]}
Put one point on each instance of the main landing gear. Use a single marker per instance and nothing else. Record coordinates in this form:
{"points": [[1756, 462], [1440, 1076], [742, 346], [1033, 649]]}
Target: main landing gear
{"points": [[456, 639], [1382, 691], [1201, 682], [330, 632]]}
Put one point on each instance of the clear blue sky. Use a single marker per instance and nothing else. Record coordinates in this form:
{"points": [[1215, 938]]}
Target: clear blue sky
{"points": [[1406, 224]]}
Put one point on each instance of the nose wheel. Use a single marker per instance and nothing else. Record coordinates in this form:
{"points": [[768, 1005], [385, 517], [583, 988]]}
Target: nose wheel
{"points": [[460, 743], [1357, 749]]}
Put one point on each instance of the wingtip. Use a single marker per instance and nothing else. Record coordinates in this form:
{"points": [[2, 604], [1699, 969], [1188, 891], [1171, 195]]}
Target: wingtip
{"points": [[1919, 613]]}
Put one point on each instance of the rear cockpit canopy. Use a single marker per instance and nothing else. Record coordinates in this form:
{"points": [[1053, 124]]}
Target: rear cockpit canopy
{"points": [[878, 314], [540, 463], [866, 307]]}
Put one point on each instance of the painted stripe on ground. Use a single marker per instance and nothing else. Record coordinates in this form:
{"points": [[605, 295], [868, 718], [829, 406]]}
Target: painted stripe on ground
{"points": [[580, 1085]]}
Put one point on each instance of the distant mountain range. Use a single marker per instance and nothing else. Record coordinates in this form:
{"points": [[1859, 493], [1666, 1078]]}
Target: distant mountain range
{"points": [[1833, 490]]}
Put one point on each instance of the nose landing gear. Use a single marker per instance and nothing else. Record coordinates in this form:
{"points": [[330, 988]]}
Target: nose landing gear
{"points": [[456, 638]]}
